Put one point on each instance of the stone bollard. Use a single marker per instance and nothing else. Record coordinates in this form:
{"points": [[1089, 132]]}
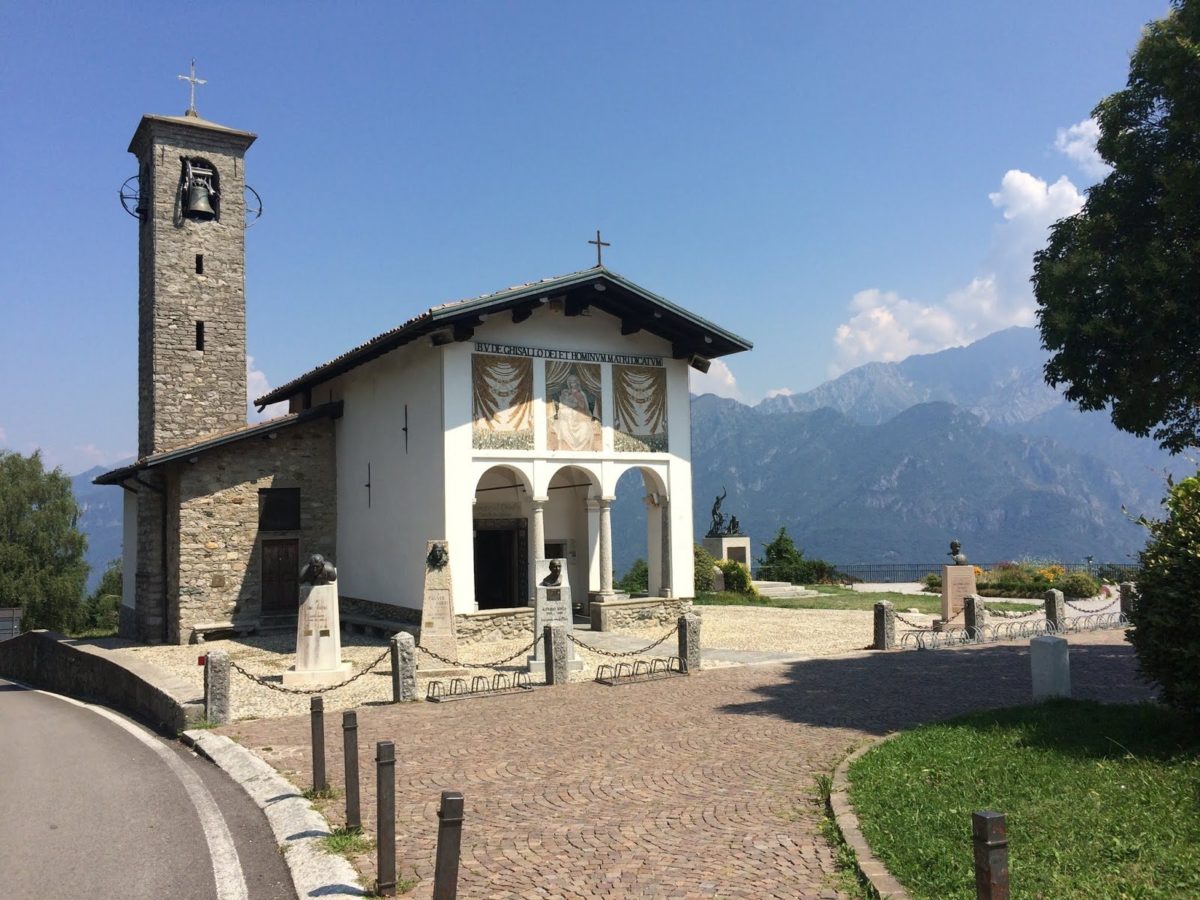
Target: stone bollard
{"points": [[1056, 612], [404, 668], [1127, 597], [989, 837], [689, 642], [557, 671], [885, 625], [216, 687], [718, 580], [974, 616], [1050, 666]]}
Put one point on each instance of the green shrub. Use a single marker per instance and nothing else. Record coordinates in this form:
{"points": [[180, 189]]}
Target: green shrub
{"points": [[703, 564], [933, 582], [637, 579], [1077, 584], [783, 561], [1166, 615], [737, 577]]}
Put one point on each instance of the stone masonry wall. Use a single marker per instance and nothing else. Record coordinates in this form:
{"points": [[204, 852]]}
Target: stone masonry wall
{"points": [[624, 614], [185, 393], [495, 625], [146, 623], [218, 543]]}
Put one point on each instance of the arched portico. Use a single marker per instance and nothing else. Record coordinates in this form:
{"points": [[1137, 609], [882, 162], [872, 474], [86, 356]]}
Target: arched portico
{"points": [[656, 501], [572, 523], [500, 526]]}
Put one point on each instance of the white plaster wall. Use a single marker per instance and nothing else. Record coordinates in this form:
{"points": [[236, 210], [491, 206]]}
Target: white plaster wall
{"points": [[129, 544], [381, 548]]}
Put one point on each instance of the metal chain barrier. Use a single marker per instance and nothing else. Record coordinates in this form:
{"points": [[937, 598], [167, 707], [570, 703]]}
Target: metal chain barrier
{"points": [[485, 665], [912, 624], [1088, 612], [616, 655], [260, 679]]}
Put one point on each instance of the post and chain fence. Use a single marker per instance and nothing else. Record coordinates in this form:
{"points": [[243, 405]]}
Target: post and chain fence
{"points": [[909, 572], [615, 654], [265, 680]]}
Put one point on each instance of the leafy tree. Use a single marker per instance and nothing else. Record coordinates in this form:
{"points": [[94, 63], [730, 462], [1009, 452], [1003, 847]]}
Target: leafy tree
{"points": [[1166, 615], [783, 561], [637, 579], [41, 550], [1117, 283], [101, 611]]}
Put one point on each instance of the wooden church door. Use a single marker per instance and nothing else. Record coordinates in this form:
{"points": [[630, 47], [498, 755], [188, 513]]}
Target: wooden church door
{"points": [[280, 576]]}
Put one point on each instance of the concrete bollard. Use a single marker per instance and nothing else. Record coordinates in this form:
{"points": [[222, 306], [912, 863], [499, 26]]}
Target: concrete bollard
{"points": [[1056, 611], [1127, 597], [316, 711], [885, 625], [1050, 666], [404, 668], [385, 818], [974, 615], [350, 755], [989, 837], [557, 670], [689, 642], [449, 845], [216, 687]]}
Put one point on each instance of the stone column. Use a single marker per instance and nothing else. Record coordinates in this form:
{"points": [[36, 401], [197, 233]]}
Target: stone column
{"points": [[404, 668], [606, 564], [539, 528], [1056, 617], [885, 625], [216, 687], [664, 506], [689, 642], [1127, 597], [974, 615]]}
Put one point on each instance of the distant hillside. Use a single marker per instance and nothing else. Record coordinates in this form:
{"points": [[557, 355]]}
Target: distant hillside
{"points": [[100, 521]]}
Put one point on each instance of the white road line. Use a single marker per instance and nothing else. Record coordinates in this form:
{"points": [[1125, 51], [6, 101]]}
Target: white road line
{"points": [[227, 868]]}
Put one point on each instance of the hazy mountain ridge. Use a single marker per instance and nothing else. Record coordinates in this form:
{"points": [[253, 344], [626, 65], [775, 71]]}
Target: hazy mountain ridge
{"points": [[101, 514]]}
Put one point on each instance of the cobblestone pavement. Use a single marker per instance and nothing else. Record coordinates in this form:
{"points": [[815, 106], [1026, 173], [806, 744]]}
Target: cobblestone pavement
{"points": [[692, 787]]}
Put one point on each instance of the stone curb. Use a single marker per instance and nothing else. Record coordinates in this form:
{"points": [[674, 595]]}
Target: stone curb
{"points": [[297, 826], [882, 883]]}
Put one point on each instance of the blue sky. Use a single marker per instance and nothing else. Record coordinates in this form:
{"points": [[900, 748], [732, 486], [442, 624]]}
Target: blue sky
{"points": [[837, 182]]}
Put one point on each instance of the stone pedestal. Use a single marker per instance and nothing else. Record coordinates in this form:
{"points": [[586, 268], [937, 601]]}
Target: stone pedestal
{"points": [[958, 582], [318, 639], [1050, 666], [729, 546], [552, 607], [437, 615]]}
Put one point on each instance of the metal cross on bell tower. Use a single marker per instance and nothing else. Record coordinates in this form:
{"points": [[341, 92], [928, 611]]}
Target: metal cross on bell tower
{"points": [[599, 248], [193, 80]]}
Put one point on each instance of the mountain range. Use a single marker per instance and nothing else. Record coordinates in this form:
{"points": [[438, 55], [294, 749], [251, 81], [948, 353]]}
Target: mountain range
{"points": [[887, 463]]}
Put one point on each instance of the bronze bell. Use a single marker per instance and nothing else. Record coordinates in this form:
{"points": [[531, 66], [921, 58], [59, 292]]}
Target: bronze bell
{"points": [[198, 206]]}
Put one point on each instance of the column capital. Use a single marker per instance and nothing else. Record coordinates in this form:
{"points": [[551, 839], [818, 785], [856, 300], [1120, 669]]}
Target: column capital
{"points": [[539, 501]]}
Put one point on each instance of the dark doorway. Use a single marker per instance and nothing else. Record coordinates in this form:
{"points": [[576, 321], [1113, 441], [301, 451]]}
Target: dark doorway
{"points": [[280, 576], [500, 564]]}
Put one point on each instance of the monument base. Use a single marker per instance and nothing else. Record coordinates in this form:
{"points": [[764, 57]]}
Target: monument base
{"points": [[958, 583], [440, 672], [729, 546], [538, 666], [309, 677]]}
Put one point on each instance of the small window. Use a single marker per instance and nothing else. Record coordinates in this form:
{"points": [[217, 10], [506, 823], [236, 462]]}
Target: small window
{"points": [[279, 509], [199, 335], [199, 263]]}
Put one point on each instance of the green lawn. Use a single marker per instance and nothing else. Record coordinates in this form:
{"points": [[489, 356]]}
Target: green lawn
{"points": [[837, 597], [1101, 800]]}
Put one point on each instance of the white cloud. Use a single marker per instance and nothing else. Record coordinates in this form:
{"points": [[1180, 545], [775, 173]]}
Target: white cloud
{"points": [[717, 380], [256, 386], [886, 327], [1078, 144], [779, 392]]}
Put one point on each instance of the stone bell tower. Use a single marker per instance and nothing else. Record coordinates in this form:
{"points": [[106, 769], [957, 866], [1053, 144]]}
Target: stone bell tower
{"points": [[191, 279]]}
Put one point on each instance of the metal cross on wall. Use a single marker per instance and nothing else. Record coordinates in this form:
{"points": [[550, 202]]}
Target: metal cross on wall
{"points": [[191, 110], [599, 245]]}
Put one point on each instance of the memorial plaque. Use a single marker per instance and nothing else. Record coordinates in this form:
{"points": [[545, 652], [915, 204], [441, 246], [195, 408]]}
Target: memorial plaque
{"points": [[437, 616], [957, 583], [552, 607]]}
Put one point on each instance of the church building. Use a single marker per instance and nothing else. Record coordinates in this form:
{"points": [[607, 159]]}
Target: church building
{"points": [[500, 424]]}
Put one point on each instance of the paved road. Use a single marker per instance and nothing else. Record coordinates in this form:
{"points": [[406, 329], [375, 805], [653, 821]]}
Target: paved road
{"points": [[94, 805], [694, 788]]}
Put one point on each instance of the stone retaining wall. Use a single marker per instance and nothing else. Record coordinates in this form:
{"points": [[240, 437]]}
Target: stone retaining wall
{"points": [[45, 659], [617, 615], [495, 625], [356, 608]]}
